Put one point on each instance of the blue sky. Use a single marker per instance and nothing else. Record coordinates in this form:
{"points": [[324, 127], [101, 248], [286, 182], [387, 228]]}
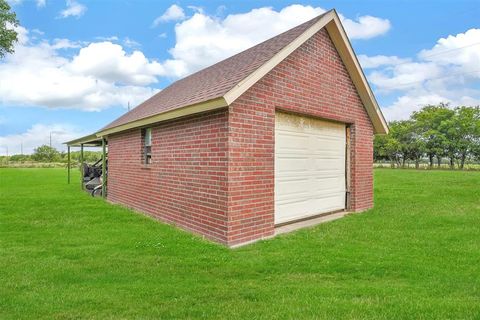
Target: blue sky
{"points": [[79, 64]]}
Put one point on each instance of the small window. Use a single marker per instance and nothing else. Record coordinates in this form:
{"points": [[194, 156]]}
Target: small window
{"points": [[147, 145]]}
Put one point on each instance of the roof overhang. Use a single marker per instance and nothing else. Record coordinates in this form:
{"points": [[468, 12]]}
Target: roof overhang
{"points": [[209, 105], [92, 140], [342, 43]]}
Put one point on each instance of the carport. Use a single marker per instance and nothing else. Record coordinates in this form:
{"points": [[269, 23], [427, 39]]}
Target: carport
{"points": [[91, 140]]}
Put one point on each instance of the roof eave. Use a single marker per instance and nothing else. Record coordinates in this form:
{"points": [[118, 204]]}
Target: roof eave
{"points": [[342, 44], [88, 140], [205, 106]]}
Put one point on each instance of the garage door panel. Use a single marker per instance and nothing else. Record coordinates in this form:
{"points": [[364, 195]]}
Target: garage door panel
{"points": [[304, 181], [295, 209], [290, 142], [318, 165], [309, 167]]}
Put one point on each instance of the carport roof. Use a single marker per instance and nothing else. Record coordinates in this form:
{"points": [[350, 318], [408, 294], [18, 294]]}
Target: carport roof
{"points": [[91, 140]]}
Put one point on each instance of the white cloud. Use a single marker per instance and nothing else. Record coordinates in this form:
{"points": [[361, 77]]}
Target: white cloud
{"points": [[111, 38], [65, 44], [405, 76], [412, 101], [38, 32], [98, 76], [380, 60], [109, 62], [365, 27], [446, 50], [131, 43], [73, 9], [202, 40], [403, 107], [127, 42], [448, 72], [37, 135], [22, 33], [173, 13], [103, 74]]}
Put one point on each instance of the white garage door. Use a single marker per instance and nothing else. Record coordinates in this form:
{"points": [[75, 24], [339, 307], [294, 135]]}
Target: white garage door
{"points": [[309, 167]]}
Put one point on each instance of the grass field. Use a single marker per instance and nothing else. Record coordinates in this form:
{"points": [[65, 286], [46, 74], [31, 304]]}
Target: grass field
{"points": [[65, 255]]}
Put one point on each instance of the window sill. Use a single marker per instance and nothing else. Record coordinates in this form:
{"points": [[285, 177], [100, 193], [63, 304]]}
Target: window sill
{"points": [[146, 167]]}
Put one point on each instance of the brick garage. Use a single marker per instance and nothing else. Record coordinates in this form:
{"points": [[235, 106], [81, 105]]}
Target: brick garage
{"points": [[212, 168]]}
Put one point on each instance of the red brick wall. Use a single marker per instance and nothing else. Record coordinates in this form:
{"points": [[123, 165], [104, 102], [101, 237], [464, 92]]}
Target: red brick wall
{"points": [[186, 183], [311, 81], [214, 173]]}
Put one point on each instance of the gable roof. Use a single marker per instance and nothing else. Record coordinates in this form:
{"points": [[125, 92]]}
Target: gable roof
{"points": [[220, 84], [214, 81]]}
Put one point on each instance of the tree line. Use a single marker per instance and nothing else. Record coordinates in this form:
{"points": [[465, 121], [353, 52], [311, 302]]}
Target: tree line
{"points": [[433, 134], [47, 154]]}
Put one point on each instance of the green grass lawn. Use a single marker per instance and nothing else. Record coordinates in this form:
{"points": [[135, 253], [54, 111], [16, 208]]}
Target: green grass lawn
{"points": [[66, 255]]}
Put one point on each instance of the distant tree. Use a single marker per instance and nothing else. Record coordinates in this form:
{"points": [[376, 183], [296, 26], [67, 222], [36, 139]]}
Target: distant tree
{"points": [[379, 147], [435, 131], [463, 130], [393, 149], [388, 148], [8, 36], [457, 137], [88, 156], [410, 146], [428, 122], [415, 145], [20, 157], [476, 152], [45, 153]]}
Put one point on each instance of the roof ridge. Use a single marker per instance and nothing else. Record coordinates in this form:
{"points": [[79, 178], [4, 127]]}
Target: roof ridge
{"points": [[253, 47]]}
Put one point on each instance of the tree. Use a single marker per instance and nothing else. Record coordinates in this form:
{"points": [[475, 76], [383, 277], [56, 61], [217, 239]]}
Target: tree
{"points": [[428, 122], [45, 153], [8, 36], [385, 149], [436, 131], [476, 151], [19, 157], [409, 143], [463, 133]]}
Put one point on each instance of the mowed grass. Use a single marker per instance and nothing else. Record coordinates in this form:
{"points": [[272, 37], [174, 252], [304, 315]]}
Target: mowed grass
{"points": [[65, 255]]}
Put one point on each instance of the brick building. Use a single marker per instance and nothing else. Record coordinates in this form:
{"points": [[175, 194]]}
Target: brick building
{"points": [[278, 133]]}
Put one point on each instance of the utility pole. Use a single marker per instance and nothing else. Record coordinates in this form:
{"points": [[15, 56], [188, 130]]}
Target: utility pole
{"points": [[128, 105], [21, 148], [50, 139]]}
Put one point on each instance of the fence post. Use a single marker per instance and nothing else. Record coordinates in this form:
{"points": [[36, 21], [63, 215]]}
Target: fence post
{"points": [[104, 168], [68, 165], [81, 166]]}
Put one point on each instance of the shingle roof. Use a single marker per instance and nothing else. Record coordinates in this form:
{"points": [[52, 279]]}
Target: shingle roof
{"points": [[214, 81]]}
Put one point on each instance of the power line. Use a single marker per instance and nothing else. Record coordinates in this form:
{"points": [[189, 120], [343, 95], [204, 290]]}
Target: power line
{"points": [[421, 81], [436, 54], [450, 50]]}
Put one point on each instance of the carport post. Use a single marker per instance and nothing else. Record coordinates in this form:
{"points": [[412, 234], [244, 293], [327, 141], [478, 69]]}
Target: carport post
{"points": [[68, 164], [104, 169], [81, 165]]}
